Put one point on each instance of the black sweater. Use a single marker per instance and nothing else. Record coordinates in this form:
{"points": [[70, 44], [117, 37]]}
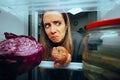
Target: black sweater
{"points": [[77, 52]]}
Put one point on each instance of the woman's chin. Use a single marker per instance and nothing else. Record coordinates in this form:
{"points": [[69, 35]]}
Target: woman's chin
{"points": [[56, 41]]}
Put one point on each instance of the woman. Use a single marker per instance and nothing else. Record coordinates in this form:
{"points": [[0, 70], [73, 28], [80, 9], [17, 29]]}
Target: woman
{"points": [[56, 36]]}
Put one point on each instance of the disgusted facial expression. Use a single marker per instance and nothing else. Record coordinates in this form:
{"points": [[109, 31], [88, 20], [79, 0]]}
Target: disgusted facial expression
{"points": [[54, 26]]}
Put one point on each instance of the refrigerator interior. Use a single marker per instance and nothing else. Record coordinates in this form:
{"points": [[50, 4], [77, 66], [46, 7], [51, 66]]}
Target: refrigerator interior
{"points": [[22, 17]]}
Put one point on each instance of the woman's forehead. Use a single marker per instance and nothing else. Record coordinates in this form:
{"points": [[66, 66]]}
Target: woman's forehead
{"points": [[52, 15]]}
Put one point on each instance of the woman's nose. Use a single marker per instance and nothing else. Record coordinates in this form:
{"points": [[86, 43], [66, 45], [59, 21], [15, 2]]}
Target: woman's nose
{"points": [[52, 29]]}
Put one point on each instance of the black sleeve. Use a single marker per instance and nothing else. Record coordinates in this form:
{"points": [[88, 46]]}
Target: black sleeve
{"points": [[77, 43]]}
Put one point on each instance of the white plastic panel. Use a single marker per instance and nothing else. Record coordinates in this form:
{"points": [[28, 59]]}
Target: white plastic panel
{"points": [[71, 66]]}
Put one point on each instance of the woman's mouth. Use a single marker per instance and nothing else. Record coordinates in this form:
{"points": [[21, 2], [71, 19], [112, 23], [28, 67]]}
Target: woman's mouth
{"points": [[54, 37]]}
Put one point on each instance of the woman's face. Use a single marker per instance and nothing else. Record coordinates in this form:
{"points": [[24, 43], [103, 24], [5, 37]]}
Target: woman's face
{"points": [[54, 26]]}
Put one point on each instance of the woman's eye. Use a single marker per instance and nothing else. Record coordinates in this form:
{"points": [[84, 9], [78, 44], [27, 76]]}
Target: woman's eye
{"points": [[57, 23], [46, 25]]}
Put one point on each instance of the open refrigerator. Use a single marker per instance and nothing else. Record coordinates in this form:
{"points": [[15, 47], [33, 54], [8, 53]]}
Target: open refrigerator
{"points": [[23, 17]]}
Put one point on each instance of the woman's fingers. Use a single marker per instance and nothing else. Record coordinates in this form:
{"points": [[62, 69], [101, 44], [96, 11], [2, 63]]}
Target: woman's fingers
{"points": [[54, 52], [68, 60], [60, 56], [56, 65]]}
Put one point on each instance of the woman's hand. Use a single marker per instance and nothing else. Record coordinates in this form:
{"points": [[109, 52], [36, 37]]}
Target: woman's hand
{"points": [[60, 56], [68, 60]]}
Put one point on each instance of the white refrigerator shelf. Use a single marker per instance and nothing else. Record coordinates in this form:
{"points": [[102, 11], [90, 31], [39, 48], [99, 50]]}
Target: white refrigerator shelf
{"points": [[71, 66]]}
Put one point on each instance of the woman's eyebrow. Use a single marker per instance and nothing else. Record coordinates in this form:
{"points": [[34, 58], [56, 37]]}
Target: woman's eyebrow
{"points": [[56, 21], [46, 24]]}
